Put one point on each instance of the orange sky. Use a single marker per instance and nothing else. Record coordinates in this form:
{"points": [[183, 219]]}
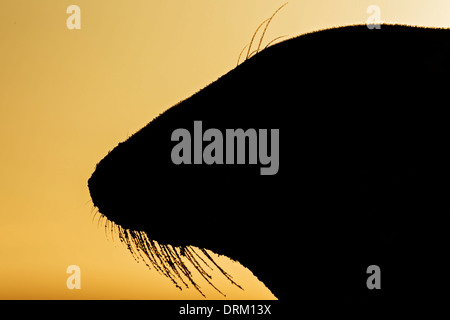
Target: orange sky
{"points": [[67, 97]]}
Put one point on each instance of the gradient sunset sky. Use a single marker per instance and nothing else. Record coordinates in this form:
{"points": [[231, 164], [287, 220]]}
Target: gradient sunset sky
{"points": [[67, 97]]}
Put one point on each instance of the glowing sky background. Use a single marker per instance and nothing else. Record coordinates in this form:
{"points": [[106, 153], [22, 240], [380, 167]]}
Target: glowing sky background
{"points": [[67, 97]]}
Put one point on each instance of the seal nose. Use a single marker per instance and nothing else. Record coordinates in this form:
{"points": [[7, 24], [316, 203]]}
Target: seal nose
{"points": [[137, 187], [107, 193], [121, 187]]}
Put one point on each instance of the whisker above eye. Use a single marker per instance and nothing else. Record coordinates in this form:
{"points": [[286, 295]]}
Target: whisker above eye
{"points": [[266, 22]]}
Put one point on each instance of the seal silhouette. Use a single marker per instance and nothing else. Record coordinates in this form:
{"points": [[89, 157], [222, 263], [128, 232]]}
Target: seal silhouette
{"points": [[361, 133]]}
